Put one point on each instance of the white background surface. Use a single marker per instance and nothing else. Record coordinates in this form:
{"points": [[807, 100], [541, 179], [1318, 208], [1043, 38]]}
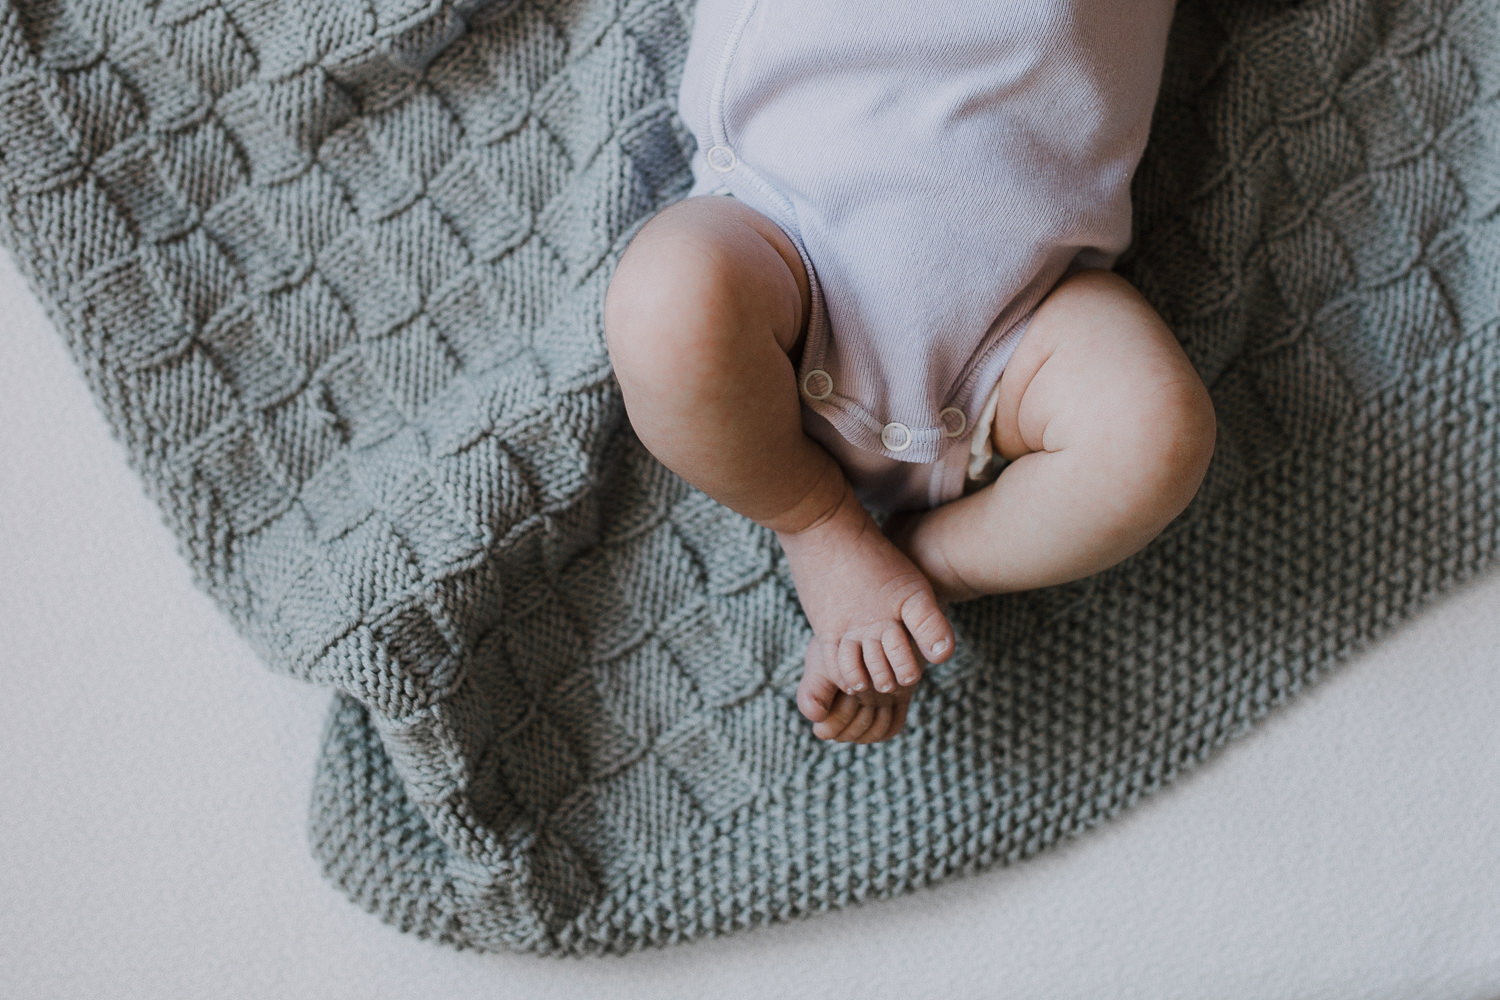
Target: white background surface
{"points": [[154, 780]]}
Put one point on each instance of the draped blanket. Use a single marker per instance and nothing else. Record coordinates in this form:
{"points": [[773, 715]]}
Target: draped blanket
{"points": [[333, 270]]}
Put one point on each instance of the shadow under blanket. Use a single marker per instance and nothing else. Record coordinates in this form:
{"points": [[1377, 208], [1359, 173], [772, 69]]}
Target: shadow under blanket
{"points": [[334, 269]]}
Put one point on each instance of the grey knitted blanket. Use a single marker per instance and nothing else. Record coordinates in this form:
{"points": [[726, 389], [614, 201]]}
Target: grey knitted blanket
{"points": [[333, 270]]}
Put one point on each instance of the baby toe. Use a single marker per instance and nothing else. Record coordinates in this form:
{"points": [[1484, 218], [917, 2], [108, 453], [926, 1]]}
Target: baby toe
{"points": [[880, 726], [851, 665], [859, 725], [816, 694], [882, 677], [928, 626], [897, 645], [898, 715], [842, 712]]}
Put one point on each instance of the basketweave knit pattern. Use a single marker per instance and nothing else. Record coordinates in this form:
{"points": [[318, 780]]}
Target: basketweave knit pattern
{"points": [[334, 270]]}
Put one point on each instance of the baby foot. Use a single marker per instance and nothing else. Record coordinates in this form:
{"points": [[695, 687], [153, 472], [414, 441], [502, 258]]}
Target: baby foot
{"points": [[873, 613], [868, 717]]}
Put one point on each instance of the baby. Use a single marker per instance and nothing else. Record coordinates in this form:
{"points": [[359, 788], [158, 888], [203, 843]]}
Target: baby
{"points": [[890, 278]]}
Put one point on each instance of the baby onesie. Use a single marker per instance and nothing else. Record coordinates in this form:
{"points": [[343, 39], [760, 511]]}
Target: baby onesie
{"points": [[940, 166]]}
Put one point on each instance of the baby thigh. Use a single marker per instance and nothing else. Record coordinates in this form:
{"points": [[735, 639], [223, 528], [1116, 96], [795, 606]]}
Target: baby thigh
{"points": [[1099, 371], [699, 318], [1108, 431], [1101, 388]]}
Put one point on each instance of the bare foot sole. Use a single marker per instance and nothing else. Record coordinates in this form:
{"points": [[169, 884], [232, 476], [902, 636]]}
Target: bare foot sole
{"points": [[875, 619]]}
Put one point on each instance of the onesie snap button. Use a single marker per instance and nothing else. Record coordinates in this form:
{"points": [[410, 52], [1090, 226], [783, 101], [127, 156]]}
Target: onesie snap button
{"points": [[721, 158], [953, 421], [818, 384], [896, 437]]}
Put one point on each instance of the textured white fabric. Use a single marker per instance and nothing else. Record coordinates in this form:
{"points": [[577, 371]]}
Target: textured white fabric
{"points": [[940, 167], [156, 776]]}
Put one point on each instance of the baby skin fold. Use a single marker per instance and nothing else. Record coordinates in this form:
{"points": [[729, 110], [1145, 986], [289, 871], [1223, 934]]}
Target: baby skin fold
{"points": [[1106, 427]]}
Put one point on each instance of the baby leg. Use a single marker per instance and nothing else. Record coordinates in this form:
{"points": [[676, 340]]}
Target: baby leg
{"points": [[701, 316], [1108, 430]]}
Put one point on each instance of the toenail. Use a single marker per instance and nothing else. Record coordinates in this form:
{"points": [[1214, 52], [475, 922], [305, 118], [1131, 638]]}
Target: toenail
{"points": [[885, 687], [859, 687], [940, 645]]}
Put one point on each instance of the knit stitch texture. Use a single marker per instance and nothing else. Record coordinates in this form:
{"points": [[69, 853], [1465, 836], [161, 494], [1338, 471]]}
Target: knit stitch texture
{"points": [[334, 268]]}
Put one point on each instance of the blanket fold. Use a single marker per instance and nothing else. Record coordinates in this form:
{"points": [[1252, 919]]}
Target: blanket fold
{"points": [[334, 271]]}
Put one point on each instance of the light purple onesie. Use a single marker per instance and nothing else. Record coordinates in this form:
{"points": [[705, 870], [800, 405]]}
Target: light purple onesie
{"points": [[940, 166]]}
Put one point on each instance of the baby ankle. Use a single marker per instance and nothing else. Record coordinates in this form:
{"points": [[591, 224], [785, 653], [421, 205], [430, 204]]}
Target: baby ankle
{"points": [[824, 500]]}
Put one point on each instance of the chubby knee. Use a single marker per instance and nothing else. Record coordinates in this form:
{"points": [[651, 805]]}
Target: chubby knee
{"points": [[667, 295], [1104, 376], [694, 281], [1166, 446]]}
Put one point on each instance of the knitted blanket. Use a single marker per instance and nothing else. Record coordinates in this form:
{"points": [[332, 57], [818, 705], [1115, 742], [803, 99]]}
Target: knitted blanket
{"points": [[333, 270]]}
